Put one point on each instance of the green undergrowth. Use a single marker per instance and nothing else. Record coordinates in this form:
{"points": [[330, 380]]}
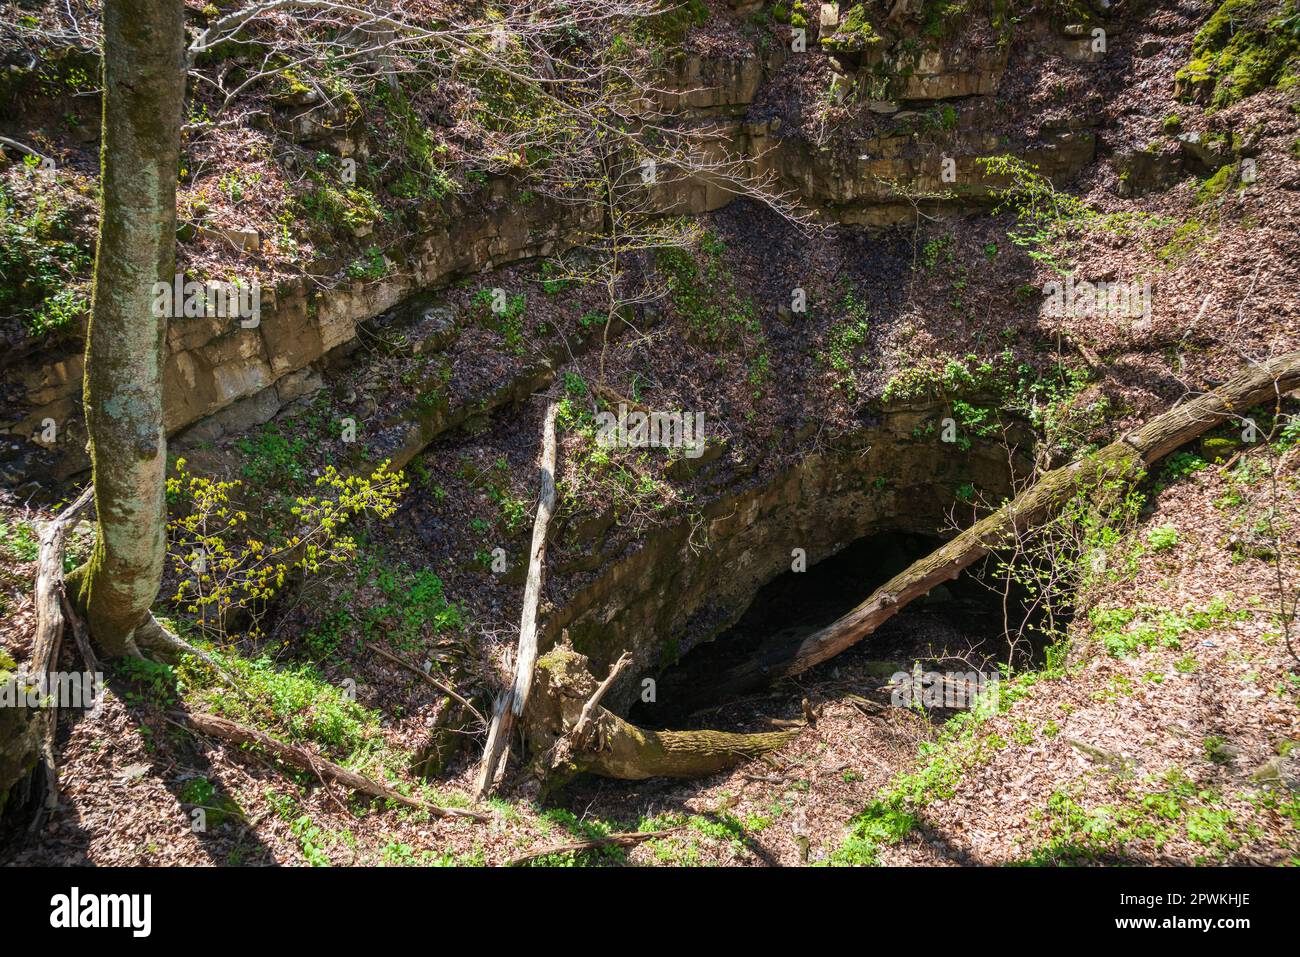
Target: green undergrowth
{"points": [[45, 256], [291, 701], [18, 541], [847, 340], [379, 600], [1125, 632], [1156, 809], [987, 393], [961, 744], [1048, 220], [704, 293]]}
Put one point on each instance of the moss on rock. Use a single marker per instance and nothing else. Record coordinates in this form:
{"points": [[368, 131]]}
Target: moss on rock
{"points": [[1245, 47], [856, 32]]}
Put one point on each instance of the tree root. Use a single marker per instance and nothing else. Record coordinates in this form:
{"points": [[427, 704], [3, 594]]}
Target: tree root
{"points": [[153, 636]]}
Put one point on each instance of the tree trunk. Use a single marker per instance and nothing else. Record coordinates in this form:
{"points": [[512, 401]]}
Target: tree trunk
{"points": [[570, 733], [50, 626], [144, 86], [511, 704], [241, 734], [1264, 382], [620, 749]]}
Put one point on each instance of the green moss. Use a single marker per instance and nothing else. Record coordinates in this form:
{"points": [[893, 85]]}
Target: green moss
{"points": [[1217, 184], [855, 33], [671, 26], [1218, 448], [1186, 239], [291, 84], [1245, 47], [421, 159], [349, 208]]}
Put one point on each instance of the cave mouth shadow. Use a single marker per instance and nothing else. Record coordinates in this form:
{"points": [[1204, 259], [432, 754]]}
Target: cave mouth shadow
{"points": [[974, 616]]}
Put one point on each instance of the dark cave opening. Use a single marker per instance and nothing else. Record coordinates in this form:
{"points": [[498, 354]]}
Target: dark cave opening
{"points": [[970, 621]]}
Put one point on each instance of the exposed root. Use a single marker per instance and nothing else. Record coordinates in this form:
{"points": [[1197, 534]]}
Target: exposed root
{"points": [[154, 637]]}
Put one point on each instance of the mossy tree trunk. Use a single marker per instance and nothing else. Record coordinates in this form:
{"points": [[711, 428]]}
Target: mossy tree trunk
{"points": [[620, 749], [569, 733], [144, 86]]}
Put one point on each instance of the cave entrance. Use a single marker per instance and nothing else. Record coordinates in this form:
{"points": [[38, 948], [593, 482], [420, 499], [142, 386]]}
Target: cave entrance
{"points": [[966, 623]]}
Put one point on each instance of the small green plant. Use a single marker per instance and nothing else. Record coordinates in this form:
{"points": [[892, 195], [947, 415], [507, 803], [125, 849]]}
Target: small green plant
{"points": [[1125, 632], [18, 541], [373, 264], [1162, 538], [224, 567], [43, 265], [703, 292], [1182, 465], [1217, 750], [216, 806], [503, 313], [273, 458]]}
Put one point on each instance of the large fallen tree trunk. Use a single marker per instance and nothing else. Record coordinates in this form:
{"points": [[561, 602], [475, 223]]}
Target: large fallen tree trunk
{"points": [[570, 732], [620, 749], [1265, 382], [511, 704]]}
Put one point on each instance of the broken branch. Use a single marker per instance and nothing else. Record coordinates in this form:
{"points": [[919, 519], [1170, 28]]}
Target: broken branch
{"points": [[511, 704], [234, 733]]}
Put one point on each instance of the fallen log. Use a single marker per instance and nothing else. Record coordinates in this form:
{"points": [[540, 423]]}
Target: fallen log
{"points": [[1264, 382], [511, 704], [572, 733], [50, 626], [624, 751], [240, 734]]}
